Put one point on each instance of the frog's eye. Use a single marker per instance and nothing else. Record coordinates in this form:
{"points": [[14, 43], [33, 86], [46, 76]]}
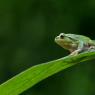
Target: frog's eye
{"points": [[61, 36]]}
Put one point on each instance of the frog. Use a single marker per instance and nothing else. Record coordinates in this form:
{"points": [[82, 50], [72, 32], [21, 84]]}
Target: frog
{"points": [[75, 43]]}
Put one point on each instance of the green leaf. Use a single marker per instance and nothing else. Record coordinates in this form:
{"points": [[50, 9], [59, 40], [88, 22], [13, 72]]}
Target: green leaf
{"points": [[35, 74]]}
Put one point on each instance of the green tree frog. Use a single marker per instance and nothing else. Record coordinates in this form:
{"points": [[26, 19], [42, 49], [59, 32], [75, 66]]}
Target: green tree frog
{"points": [[75, 43]]}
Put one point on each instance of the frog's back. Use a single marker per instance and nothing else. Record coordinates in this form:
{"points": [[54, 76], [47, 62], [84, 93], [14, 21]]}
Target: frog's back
{"points": [[80, 38]]}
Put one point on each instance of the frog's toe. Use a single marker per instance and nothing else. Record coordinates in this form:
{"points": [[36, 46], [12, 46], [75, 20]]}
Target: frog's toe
{"points": [[74, 53], [92, 47]]}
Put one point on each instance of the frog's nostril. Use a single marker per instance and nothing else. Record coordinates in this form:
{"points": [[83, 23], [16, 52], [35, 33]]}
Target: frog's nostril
{"points": [[57, 37]]}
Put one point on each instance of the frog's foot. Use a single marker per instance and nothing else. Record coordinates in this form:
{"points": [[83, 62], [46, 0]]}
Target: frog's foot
{"points": [[92, 48], [74, 53]]}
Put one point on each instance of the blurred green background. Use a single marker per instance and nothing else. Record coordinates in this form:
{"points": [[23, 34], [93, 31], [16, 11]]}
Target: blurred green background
{"points": [[27, 32]]}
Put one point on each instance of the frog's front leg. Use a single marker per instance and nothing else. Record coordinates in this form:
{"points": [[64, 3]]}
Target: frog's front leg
{"points": [[79, 48]]}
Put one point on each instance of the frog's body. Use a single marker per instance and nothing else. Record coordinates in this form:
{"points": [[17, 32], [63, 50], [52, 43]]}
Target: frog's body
{"points": [[74, 43]]}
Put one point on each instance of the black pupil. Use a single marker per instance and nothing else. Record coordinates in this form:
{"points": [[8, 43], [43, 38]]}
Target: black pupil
{"points": [[61, 36]]}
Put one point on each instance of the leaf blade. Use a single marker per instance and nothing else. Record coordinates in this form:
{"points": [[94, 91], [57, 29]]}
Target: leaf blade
{"points": [[35, 74]]}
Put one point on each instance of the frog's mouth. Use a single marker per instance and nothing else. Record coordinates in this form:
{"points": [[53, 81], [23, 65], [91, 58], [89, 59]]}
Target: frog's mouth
{"points": [[59, 41], [62, 43]]}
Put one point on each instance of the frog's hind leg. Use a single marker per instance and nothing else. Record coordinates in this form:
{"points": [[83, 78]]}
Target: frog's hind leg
{"points": [[91, 48]]}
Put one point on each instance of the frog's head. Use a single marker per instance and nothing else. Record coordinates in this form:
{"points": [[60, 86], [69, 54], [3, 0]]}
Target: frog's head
{"points": [[64, 40]]}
